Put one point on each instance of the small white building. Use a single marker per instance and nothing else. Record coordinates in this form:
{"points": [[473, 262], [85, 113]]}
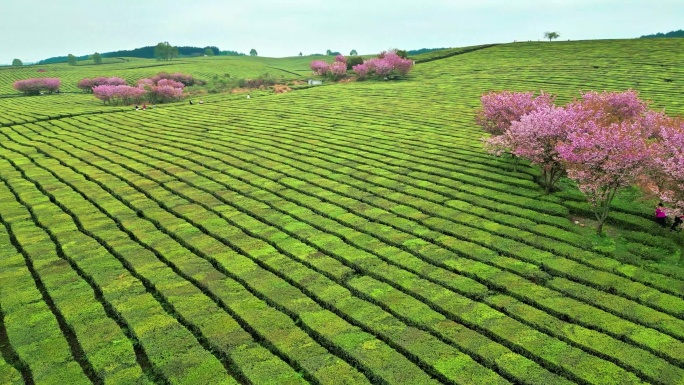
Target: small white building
{"points": [[315, 82]]}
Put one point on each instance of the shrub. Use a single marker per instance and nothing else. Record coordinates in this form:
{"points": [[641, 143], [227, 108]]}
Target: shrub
{"points": [[186, 79], [35, 86], [352, 61], [319, 67], [161, 89], [338, 69], [87, 84], [361, 70], [118, 94]]}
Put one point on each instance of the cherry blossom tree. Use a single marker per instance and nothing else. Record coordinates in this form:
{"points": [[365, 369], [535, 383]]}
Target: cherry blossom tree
{"points": [[319, 67], [605, 157], [388, 65], [35, 86], [499, 110], [535, 137], [87, 84], [361, 70], [667, 166], [118, 94], [338, 69]]}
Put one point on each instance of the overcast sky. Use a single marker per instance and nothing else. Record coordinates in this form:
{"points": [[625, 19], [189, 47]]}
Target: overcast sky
{"points": [[32, 30]]}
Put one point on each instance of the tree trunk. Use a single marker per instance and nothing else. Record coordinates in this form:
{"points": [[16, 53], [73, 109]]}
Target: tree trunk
{"points": [[599, 228]]}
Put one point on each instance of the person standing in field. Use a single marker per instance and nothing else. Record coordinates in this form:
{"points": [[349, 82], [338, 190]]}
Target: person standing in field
{"points": [[661, 215]]}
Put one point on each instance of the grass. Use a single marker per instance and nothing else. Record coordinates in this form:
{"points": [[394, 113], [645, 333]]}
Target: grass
{"points": [[355, 233]]}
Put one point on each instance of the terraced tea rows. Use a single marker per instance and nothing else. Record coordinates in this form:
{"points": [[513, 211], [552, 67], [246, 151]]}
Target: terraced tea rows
{"points": [[134, 69], [347, 234]]}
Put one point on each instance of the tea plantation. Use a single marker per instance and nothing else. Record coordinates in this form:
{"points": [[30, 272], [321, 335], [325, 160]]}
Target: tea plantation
{"points": [[344, 234]]}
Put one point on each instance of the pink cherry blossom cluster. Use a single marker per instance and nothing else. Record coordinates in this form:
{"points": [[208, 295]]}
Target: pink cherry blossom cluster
{"points": [[161, 89], [385, 65], [119, 94], [604, 141], [35, 86], [186, 79], [666, 166], [87, 84], [319, 67]]}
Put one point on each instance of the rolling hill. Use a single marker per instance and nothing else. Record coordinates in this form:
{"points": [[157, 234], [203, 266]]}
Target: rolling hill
{"points": [[345, 234]]}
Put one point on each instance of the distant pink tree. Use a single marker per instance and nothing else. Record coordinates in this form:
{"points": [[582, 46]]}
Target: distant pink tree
{"points": [[186, 79], [403, 66], [35, 86], [87, 84], [118, 94], [319, 67], [383, 67], [338, 69], [535, 137], [165, 93], [387, 65], [170, 83], [603, 157], [145, 83], [361, 70]]}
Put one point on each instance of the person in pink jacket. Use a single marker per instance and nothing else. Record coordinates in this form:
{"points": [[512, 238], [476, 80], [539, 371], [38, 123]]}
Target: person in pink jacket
{"points": [[661, 215]]}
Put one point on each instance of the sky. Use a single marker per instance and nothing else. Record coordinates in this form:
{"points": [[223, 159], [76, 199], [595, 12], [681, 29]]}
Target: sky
{"points": [[32, 30]]}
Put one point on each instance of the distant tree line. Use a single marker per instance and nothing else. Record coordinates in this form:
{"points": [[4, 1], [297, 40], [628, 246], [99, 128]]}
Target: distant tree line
{"points": [[422, 50], [147, 52], [678, 33]]}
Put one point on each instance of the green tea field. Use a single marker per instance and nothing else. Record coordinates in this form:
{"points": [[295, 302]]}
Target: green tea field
{"points": [[352, 233]]}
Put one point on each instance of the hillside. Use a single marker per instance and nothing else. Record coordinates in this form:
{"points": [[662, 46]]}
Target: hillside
{"points": [[146, 52], [350, 233]]}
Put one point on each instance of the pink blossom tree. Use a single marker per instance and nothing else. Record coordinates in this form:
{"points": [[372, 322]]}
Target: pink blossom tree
{"points": [[499, 110], [612, 107], [35, 86], [535, 137], [603, 158], [667, 166], [118, 94], [387, 65], [361, 70], [338, 69], [87, 84], [319, 67]]}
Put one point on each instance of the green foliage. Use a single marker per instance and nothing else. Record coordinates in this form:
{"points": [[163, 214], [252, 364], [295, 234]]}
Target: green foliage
{"points": [[71, 60], [353, 53], [165, 51], [677, 33], [17, 63], [353, 60], [208, 52], [551, 35], [253, 52], [97, 58]]}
